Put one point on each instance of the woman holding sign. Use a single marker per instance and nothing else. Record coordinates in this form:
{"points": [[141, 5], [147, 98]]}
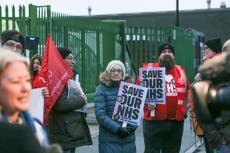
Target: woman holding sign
{"points": [[113, 138]]}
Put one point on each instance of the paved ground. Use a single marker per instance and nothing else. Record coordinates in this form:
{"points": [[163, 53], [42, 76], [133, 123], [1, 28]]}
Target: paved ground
{"points": [[191, 144]]}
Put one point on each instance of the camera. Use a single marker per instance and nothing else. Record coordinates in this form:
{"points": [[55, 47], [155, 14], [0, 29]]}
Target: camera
{"points": [[212, 94]]}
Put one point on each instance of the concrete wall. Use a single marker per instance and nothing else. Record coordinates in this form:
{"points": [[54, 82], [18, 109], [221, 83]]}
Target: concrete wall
{"points": [[212, 22]]}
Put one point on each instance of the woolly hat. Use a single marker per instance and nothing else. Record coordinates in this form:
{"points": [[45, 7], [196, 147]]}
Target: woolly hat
{"points": [[165, 46], [214, 44], [12, 35], [115, 62], [64, 52]]}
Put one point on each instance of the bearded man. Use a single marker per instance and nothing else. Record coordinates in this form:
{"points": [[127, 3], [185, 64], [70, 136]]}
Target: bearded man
{"points": [[163, 130]]}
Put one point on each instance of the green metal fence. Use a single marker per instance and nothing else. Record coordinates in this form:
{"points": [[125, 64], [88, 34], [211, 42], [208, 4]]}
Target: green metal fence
{"points": [[142, 46], [95, 42]]}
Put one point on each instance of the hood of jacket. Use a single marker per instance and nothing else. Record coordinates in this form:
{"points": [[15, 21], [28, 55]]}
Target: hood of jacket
{"points": [[105, 79]]}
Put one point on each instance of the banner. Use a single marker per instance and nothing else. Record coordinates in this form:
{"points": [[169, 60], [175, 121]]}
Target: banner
{"points": [[154, 80], [54, 74], [130, 103]]}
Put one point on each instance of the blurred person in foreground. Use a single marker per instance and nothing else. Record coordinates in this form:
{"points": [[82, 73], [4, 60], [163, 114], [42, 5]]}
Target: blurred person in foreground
{"points": [[67, 124], [211, 96], [163, 130], [15, 88], [113, 138], [211, 49]]}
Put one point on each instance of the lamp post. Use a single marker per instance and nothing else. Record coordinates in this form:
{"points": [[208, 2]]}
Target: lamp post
{"points": [[177, 13], [89, 10], [209, 4]]}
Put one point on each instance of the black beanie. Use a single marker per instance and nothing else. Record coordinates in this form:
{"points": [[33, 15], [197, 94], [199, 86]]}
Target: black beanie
{"points": [[214, 44], [64, 52], [12, 35], [165, 46]]}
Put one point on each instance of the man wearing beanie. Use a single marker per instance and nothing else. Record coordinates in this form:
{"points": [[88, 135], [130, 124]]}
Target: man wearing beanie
{"points": [[213, 139], [163, 129], [13, 40], [211, 48]]}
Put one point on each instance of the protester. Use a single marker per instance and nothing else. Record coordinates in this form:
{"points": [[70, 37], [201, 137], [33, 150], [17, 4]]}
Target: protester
{"points": [[67, 125], [35, 66], [113, 138], [13, 40], [163, 131], [15, 88], [211, 49], [216, 131]]}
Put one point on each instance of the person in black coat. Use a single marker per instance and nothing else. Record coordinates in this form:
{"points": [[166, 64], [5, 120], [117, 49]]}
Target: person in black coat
{"points": [[67, 120], [17, 138]]}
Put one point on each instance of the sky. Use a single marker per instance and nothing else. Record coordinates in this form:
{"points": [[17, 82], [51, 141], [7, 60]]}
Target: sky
{"points": [[101, 7]]}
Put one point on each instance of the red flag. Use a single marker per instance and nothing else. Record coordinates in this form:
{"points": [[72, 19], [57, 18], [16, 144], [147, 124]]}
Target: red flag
{"points": [[54, 74]]}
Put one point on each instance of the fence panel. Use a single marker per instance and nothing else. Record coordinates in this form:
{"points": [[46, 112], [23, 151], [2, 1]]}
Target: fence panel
{"points": [[143, 42], [95, 42]]}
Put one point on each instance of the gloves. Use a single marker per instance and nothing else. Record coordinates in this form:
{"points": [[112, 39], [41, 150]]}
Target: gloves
{"points": [[131, 129], [123, 132]]}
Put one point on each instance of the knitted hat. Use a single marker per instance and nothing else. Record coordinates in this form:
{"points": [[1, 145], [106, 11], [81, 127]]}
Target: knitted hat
{"points": [[214, 44], [12, 35], [64, 52], [115, 62], [165, 46]]}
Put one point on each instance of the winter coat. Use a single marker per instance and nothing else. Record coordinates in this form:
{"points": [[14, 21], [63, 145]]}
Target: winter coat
{"points": [[109, 139], [17, 138], [67, 126], [36, 126]]}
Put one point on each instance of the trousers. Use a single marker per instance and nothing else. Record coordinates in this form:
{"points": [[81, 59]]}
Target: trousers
{"points": [[162, 136]]}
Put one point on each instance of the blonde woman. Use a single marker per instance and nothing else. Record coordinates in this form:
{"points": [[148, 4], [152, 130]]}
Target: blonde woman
{"points": [[15, 88]]}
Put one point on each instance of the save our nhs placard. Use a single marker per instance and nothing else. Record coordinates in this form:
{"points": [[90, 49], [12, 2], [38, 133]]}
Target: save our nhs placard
{"points": [[154, 80], [130, 103]]}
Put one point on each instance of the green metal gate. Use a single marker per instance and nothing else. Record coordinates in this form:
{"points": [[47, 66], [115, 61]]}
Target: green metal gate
{"points": [[142, 46], [95, 42]]}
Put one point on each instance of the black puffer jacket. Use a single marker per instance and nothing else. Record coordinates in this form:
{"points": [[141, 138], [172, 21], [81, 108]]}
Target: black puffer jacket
{"points": [[67, 126]]}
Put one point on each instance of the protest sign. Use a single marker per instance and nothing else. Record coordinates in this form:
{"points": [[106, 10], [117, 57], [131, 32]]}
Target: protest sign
{"points": [[154, 80], [36, 104], [130, 103]]}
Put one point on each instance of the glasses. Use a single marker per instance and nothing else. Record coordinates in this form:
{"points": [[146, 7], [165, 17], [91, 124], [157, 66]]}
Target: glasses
{"points": [[12, 45], [116, 70], [70, 58]]}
